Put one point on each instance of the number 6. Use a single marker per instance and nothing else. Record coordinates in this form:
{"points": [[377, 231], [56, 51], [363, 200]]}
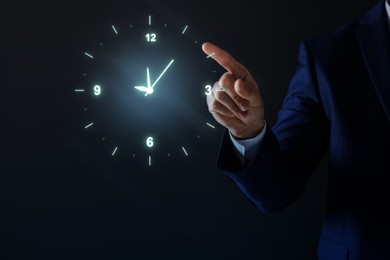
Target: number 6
{"points": [[149, 142]]}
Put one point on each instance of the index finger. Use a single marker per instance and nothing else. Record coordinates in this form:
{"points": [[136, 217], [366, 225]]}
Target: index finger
{"points": [[225, 60]]}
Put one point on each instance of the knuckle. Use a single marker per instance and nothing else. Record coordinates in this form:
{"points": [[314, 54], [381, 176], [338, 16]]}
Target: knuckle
{"points": [[226, 80], [219, 95], [213, 107], [239, 100], [236, 110]]}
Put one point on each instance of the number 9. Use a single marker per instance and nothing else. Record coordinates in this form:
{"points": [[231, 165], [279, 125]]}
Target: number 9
{"points": [[97, 90]]}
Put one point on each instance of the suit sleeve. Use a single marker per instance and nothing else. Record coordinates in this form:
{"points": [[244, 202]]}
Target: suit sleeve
{"points": [[291, 150]]}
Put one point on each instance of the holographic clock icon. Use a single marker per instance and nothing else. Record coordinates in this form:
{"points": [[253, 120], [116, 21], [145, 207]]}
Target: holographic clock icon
{"points": [[142, 90]]}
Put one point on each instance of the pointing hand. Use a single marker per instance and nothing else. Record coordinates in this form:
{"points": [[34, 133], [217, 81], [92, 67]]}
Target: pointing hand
{"points": [[235, 101]]}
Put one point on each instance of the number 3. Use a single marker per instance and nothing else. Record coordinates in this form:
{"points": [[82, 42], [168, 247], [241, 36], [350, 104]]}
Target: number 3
{"points": [[208, 90]]}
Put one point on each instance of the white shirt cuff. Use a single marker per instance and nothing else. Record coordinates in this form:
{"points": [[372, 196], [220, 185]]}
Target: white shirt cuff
{"points": [[247, 148]]}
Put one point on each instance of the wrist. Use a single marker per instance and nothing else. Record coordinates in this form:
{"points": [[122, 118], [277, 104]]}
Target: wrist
{"points": [[249, 133]]}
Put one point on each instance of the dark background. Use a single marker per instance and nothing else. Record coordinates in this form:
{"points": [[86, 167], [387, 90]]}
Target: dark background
{"points": [[60, 200]]}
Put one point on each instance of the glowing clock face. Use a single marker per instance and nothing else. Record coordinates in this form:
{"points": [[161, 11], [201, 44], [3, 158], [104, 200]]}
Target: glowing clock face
{"points": [[142, 92]]}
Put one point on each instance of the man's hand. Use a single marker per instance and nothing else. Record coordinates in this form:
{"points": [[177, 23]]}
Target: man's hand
{"points": [[235, 101]]}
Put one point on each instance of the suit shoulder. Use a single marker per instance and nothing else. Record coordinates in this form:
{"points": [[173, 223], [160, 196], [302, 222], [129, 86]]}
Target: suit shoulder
{"points": [[343, 37], [337, 38]]}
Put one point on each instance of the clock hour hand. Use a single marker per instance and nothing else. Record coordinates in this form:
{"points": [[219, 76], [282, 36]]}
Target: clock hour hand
{"points": [[141, 88], [148, 77], [148, 89]]}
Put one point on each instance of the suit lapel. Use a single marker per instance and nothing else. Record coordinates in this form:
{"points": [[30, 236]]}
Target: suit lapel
{"points": [[374, 39]]}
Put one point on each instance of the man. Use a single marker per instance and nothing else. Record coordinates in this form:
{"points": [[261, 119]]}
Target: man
{"points": [[338, 100]]}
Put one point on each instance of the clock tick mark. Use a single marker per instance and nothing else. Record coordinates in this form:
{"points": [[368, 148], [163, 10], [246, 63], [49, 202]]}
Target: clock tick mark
{"points": [[114, 29], [113, 153], [185, 29], [184, 150], [88, 55], [89, 125], [210, 125], [210, 55]]}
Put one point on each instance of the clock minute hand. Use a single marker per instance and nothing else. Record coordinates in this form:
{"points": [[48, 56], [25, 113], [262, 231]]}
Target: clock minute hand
{"points": [[162, 73]]}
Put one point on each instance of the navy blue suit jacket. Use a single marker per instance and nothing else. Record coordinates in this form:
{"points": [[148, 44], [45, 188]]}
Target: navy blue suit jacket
{"points": [[338, 101]]}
